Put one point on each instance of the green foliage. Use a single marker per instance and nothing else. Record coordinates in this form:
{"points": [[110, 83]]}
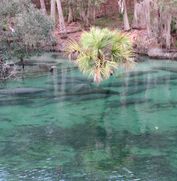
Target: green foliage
{"points": [[33, 27], [83, 10], [101, 51], [23, 29]]}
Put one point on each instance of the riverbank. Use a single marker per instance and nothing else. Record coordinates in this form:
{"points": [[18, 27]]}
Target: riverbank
{"points": [[142, 44]]}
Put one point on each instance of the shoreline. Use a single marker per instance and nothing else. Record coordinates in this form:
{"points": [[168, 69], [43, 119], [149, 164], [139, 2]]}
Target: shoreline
{"points": [[142, 45]]}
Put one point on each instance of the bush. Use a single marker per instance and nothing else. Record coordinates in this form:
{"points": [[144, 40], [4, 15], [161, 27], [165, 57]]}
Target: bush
{"points": [[24, 30]]}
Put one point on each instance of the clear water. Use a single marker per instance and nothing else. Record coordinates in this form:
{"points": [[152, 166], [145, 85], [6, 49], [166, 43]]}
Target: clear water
{"points": [[63, 127]]}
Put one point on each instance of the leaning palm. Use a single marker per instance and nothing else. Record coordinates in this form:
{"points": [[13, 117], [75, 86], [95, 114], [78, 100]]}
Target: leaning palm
{"points": [[101, 51]]}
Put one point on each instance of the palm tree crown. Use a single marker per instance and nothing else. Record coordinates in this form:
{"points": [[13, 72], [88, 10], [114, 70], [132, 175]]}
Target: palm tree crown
{"points": [[101, 51]]}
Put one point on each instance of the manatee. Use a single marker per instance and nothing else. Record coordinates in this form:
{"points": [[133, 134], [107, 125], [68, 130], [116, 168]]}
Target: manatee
{"points": [[15, 102], [128, 102], [88, 91], [72, 99], [125, 84], [21, 91], [136, 91], [5, 120], [70, 80], [167, 69], [80, 79], [165, 105], [140, 73], [85, 98], [76, 97], [139, 82]]}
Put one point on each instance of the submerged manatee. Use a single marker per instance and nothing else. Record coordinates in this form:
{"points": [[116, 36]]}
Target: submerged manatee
{"points": [[167, 69], [139, 82], [137, 90], [128, 102], [21, 91], [14, 101], [87, 91], [79, 96], [71, 80], [140, 73]]}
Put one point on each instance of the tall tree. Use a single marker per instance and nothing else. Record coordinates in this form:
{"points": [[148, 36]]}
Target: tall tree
{"points": [[123, 10], [62, 27], [85, 10], [71, 14], [156, 16], [43, 7], [52, 9], [135, 16], [148, 15]]}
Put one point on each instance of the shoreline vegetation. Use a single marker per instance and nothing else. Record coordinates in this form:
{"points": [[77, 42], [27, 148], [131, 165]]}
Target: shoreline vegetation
{"points": [[139, 50], [29, 27]]}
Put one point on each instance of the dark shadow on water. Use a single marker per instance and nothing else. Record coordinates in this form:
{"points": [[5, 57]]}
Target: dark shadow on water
{"points": [[82, 131]]}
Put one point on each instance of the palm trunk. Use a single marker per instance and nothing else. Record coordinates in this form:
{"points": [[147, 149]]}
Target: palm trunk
{"points": [[62, 27], [43, 7], [97, 76]]}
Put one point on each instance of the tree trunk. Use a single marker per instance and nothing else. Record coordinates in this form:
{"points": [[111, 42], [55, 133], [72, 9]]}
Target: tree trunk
{"points": [[94, 14], [43, 7], [148, 16], [85, 13], [22, 63], [168, 31], [52, 10], [135, 15], [84, 17], [141, 15], [125, 17], [70, 14], [62, 27], [89, 14]]}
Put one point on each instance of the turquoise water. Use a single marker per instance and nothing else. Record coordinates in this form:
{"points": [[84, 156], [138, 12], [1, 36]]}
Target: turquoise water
{"points": [[63, 127]]}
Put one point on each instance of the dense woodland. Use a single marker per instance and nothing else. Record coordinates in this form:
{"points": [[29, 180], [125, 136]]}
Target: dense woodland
{"points": [[158, 17], [28, 27]]}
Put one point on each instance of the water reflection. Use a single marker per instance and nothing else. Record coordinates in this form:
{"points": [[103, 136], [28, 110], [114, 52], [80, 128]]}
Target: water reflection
{"points": [[62, 126]]}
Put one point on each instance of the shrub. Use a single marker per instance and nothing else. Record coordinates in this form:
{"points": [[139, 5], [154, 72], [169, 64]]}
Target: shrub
{"points": [[24, 30]]}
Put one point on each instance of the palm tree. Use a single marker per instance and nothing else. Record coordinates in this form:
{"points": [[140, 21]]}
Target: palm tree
{"points": [[100, 51]]}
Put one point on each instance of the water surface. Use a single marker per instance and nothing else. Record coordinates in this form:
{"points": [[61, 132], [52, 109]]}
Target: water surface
{"points": [[63, 127]]}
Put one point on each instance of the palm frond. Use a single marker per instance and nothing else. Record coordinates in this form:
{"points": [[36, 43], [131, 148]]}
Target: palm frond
{"points": [[101, 51]]}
